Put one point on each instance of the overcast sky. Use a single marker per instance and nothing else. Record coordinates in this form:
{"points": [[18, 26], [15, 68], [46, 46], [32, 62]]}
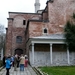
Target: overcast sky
{"points": [[17, 6]]}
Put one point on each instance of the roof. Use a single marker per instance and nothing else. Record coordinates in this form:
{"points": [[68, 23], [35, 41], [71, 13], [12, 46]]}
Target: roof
{"points": [[24, 13], [51, 36]]}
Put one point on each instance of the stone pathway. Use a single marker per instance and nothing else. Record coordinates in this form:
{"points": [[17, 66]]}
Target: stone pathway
{"points": [[27, 71]]}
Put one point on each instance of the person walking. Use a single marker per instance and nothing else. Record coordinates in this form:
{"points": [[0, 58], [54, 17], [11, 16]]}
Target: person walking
{"points": [[15, 62], [4, 58], [26, 61], [8, 65], [18, 60], [12, 60], [22, 62]]}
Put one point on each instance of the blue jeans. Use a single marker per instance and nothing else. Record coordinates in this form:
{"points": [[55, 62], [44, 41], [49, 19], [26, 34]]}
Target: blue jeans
{"points": [[21, 67]]}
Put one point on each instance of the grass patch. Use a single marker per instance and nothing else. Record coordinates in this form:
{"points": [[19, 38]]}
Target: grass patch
{"points": [[59, 70]]}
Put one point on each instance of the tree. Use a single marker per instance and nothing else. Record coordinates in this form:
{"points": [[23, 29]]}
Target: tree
{"points": [[2, 37], [1, 29], [70, 33]]}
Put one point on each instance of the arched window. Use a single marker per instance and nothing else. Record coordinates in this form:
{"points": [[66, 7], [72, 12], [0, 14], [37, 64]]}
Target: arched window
{"points": [[19, 39], [45, 30]]}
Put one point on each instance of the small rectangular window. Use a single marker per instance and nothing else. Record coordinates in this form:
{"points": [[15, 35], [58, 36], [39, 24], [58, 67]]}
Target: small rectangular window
{"points": [[24, 22]]}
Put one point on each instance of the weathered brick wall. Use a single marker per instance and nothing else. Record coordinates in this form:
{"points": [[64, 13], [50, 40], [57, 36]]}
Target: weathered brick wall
{"points": [[18, 32], [8, 44], [35, 29], [16, 28], [58, 13], [24, 15], [45, 13]]}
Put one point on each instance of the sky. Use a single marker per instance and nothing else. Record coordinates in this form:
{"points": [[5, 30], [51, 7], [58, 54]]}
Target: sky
{"points": [[17, 6]]}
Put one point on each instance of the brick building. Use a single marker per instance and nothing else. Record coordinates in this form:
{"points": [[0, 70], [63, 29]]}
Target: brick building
{"points": [[40, 35]]}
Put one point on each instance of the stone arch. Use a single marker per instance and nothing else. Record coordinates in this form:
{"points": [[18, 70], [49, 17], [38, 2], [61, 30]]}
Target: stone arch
{"points": [[18, 51]]}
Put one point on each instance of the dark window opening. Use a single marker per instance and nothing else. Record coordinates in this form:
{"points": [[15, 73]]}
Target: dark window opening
{"points": [[18, 39], [24, 22], [45, 30]]}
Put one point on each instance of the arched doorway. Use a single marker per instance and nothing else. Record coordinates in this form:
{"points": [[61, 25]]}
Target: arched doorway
{"points": [[18, 51]]}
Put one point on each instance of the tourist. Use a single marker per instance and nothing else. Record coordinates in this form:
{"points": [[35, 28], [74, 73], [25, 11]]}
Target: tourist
{"points": [[8, 65], [22, 62], [4, 61], [18, 60], [12, 60], [15, 62], [26, 61]]}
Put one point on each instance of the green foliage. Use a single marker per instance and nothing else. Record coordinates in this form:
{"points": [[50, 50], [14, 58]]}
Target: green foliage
{"points": [[59, 70], [2, 42], [74, 15], [70, 35]]}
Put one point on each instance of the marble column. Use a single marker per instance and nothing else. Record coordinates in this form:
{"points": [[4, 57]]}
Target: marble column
{"points": [[68, 56], [32, 53], [51, 53]]}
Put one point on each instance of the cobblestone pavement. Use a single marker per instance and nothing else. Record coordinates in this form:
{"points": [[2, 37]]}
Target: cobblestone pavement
{"points": [[27, 71]]}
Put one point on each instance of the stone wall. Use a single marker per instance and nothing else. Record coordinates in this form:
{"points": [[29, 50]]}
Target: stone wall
{"points": [[59, 12]]}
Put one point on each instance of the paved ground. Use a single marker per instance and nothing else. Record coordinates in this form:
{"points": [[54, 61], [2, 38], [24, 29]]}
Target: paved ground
{"points": [[27, 71]]}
